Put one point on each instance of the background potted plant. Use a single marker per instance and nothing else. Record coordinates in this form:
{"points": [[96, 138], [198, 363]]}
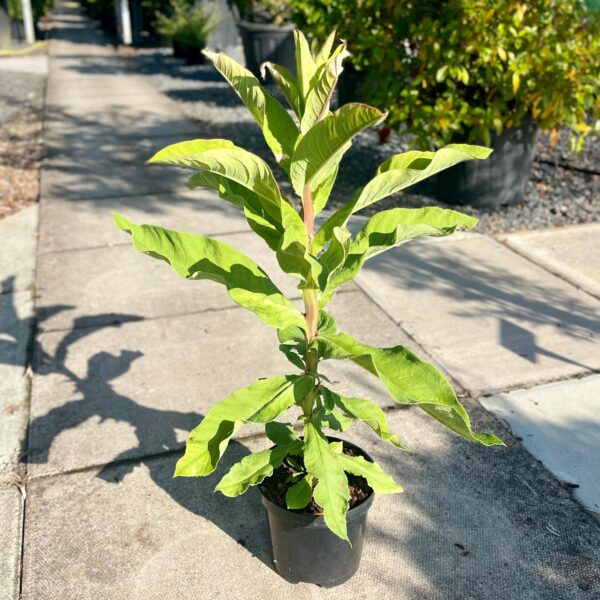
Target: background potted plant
{"points": [[266, 31], [189, 26], [316, 488], [472, 71]]}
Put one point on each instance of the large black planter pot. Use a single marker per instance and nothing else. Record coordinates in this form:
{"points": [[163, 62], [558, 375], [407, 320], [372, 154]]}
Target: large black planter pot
{"points": [[351, 85], [266, 42], [305, 550], [191, 54], [499, 180]]}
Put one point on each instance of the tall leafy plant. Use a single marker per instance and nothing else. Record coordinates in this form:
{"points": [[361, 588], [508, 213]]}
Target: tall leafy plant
{"points": [[308, 146]]}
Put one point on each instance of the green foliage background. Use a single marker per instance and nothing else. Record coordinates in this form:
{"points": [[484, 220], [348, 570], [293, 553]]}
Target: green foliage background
{"points": [[39, 8], [185, 23], [464, 69]]}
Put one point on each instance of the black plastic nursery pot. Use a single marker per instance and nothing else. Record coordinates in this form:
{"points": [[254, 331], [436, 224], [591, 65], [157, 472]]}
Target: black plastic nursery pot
{"points": [[499, 180], [191, 54], [351, 85], [265, 42], [304, 549]]}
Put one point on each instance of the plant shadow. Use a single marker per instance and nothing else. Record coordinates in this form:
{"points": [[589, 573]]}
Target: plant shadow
{"points": [[155, 429]]}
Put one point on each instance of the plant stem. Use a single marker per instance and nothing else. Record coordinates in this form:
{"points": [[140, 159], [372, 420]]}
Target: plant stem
{"points": [[308, 210], [311, 314], [311, 306]]}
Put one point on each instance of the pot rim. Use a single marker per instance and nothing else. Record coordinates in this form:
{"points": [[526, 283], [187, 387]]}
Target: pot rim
{"points": [[252, 26], [353, 513]]}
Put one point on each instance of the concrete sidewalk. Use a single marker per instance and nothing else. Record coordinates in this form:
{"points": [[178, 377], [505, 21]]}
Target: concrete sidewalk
{"points": [[127, 358]]}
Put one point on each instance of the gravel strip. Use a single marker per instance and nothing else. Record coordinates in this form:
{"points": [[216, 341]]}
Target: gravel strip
{"points": [[564, 188], [21, 119]]}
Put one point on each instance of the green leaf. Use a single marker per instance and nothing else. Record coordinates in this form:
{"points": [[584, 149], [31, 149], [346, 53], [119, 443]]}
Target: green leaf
{"points": [[288, 84], [322, 190], [366, 411], [305, 63], [322, 148], [396, 174], [292, 252], [325, 52], [300, 494], [334, 419], [321, 88], [253, 469], [403, 170], [331, 492], [279, 129], [281, 434], [388, 229], [199, 257], [293, 355], [227, 163], [267, 226], [336, 447], [334, 258], [377, 478], [260, 402], [246, 180], [408, 380]]}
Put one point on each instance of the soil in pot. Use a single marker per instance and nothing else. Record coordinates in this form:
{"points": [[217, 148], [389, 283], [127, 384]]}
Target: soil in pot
{"points": [[275, 487], [304, 549]]}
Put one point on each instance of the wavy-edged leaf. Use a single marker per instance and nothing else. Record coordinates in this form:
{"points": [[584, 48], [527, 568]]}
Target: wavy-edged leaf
{"points": [[253, 469], [317, 153], [366, 411], [260, 402], [390, 228], [396, 174], [379, 481], [408, 380], [279, 130], [299, 495], [226, 161], [321, 89], [288, 84], [198, 257], [331, 492]]}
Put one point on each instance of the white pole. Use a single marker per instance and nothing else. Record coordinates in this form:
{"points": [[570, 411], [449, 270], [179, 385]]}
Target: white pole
{"points": [[28, 21], [125, 18]]}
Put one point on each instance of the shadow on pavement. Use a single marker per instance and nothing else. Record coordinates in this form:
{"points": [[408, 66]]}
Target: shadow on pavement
{"points": [[487, 290], [473, 522], [98, 398]]}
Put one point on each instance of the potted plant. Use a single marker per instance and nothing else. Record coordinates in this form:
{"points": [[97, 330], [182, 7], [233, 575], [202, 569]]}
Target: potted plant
{"points": [[316, 488], [266, 31], [188, 26], [493, 73]]}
